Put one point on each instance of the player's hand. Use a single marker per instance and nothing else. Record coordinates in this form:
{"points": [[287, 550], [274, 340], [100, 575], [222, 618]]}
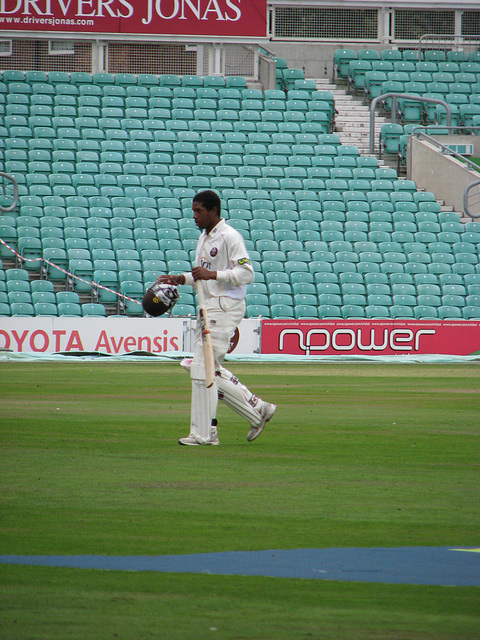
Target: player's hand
{"points": [[171, 279], [201, 273]]}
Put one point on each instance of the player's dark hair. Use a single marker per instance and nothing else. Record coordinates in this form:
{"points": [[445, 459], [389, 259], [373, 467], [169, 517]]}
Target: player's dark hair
{"points": [[209, 199]]}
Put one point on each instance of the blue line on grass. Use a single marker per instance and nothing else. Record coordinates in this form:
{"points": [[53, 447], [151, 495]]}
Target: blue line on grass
{"points": [[444, 566]]}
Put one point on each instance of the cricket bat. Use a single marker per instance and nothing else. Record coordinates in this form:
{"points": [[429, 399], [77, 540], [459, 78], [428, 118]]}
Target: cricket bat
{"points": [[206, 337]]}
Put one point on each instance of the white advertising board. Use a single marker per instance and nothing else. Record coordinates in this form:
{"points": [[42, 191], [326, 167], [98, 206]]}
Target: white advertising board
{"points": [[112, 336]]}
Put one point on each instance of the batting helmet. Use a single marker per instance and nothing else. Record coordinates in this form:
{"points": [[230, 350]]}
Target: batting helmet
{"points": [[159, 299]]}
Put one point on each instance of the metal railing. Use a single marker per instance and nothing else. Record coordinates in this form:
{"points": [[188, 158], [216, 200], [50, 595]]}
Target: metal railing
{"points": [[403, 96], [468, 200], [5, 188], [444, 40]]}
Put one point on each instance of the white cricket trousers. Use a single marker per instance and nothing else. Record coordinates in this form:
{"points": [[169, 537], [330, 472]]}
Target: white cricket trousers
{"points": [[224, 314]]}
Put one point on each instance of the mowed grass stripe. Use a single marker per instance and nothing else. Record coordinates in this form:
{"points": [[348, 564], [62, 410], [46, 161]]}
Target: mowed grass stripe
{"points": [[357, 455], [337, 451], [48, 604]]}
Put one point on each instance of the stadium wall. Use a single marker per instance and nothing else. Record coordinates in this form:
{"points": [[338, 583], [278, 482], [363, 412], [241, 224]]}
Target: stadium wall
{"points": [[444, 175], [143, 37], [307, 36]]}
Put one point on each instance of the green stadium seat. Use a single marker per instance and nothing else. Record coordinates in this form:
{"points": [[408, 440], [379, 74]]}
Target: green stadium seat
{"points": [[377, 311], [256, 299], [356, 74], [18, 296], [342, 58], [109, 279], [373, 86], [368, 54], [471, 313], [425, 312], [135, 290], [410, 110], [102, 79], [82, 272], [453, 301], [183, 310], [42, 286], [401, 312], [448, 312], [255, 311], [353, 311], [329, 311], [390, 138], [45, 309], [281, 311], [305, 311], [438, 268], [17, 274], [8, 233], [18, 286], [93, 309], [30, 250], [463, 268], [452, 279], [4, 307], [22, 309], [232, 82]]}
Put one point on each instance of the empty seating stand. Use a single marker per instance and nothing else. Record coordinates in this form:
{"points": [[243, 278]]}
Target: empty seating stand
{"points": [[453, 77], [106, 184]]}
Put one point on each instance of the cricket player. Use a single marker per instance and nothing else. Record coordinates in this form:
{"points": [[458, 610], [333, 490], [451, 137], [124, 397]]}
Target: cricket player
{"points": [[223, 266]]}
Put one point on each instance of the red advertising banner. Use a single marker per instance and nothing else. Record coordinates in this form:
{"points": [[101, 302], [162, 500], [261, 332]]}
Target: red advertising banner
{"points": [[370, 337], [238, 18]]}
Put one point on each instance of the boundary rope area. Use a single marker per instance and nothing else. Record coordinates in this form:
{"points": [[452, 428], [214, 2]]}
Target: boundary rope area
{"points": [[22, 259]]}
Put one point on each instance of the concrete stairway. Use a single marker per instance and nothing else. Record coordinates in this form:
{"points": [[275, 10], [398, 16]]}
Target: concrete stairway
{"points": [[352, 124], [352, 121]]}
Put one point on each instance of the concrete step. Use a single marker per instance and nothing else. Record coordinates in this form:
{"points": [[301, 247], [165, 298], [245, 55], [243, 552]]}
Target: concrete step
{"points": [[352, 123], [8, 264], [348, 110], [323, 83], [353, 116], [356, 127]]}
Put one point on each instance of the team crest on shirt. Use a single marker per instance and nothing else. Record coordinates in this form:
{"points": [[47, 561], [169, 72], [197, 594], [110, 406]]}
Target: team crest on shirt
{"points": [[214, 252]]}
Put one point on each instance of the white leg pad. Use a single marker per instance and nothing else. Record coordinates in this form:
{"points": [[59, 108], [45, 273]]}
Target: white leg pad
{"points": [[197, 375], [237, 397], [204, 404]]}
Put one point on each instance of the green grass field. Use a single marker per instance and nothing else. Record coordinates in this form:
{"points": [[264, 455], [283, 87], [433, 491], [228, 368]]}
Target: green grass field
{"points": [[358, 455]]}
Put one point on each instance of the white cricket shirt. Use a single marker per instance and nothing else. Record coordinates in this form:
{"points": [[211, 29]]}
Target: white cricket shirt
{"points": [[223, 250]]}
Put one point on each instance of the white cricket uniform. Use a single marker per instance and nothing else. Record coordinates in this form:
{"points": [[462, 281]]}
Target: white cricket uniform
{"points": [[222, 250]]}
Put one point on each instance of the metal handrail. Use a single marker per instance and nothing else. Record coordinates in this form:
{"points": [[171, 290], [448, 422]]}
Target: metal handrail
{"points": [[8, 176], [445, 37], [456, 128], [469, 213], [403, 96]]}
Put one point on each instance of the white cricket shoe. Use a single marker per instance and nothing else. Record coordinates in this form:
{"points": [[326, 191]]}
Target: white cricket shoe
{"points": [[192, 441], [214, 436], [266, 412]]}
